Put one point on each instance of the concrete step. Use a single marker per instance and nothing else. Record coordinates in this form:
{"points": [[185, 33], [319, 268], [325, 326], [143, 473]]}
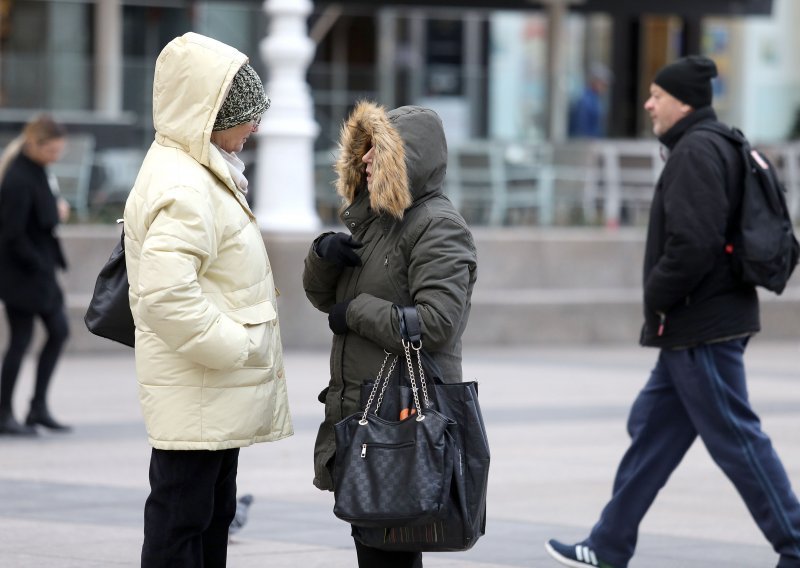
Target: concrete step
{"points": [[592, 316], [535, 286]]}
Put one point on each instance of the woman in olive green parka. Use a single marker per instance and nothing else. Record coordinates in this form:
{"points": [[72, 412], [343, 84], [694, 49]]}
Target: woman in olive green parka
{"points": [[408, 246]]}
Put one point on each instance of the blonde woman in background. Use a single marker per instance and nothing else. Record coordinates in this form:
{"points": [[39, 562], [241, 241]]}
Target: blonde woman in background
{"points": [[30, 254]]}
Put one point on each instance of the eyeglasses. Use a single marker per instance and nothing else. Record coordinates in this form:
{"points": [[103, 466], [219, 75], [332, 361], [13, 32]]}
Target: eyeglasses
{"points": [[255, 121]]}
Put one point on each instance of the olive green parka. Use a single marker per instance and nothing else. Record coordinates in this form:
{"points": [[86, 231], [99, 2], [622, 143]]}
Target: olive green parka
{"points": [[418, 251]]}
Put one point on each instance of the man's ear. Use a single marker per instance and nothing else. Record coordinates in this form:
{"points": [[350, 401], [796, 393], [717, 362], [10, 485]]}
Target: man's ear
{"points": [[686, 109]]}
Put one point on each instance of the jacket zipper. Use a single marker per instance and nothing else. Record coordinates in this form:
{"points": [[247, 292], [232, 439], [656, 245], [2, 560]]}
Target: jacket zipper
{"points": [[391, 280], [399, 446]]}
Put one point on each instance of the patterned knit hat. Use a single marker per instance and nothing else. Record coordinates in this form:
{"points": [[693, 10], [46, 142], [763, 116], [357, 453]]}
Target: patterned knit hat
{"points": [[246, 100]]}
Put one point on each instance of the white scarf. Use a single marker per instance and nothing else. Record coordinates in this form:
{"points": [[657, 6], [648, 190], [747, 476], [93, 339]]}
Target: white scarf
{"points": [[236, 167]]}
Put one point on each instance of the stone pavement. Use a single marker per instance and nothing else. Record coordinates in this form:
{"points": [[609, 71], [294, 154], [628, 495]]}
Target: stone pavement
{"points": [[555, 417]]}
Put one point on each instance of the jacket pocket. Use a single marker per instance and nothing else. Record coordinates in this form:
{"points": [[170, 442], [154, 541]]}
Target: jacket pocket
{"points": [[391, 276], [260, 322]]}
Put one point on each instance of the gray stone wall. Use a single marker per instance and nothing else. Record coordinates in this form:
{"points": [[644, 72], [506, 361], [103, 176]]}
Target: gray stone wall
{"points": [[561, 286]]}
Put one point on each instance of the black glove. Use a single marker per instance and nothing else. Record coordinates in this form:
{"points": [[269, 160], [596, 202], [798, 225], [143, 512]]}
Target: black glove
{"points": [[339, 248], [337, 317]]}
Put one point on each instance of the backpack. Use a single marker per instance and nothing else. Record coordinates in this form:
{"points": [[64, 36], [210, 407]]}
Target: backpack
{"points": [[761, 241]]}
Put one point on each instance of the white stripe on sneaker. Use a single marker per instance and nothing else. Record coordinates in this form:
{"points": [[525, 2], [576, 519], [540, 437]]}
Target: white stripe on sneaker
{"points": [[574, 556], [585, 554]]}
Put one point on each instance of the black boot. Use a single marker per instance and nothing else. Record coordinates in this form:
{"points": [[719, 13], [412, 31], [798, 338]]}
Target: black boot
{"points": [[10, 427], [40, 415]]}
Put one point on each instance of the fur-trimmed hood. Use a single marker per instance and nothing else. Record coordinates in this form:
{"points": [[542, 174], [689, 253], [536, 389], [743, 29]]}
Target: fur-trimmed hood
{"points": [[410, 156]]}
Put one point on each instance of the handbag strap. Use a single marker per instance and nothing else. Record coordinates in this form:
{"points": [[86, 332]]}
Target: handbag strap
{"points": [[410, 327], [384, 380], [411, 337], [407, 346], [377, 384]]}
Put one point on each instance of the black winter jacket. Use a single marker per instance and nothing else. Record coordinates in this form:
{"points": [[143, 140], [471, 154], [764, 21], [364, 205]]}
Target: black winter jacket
{"points": [[30, 252], [691, 294]]}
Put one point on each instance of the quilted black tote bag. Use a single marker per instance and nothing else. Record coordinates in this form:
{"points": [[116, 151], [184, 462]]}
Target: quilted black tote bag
{"points": [[109, 313], [393, 472], [463, 518]]}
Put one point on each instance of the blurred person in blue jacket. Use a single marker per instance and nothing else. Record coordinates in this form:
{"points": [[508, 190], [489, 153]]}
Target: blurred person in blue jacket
{"points": [[587, 114]]}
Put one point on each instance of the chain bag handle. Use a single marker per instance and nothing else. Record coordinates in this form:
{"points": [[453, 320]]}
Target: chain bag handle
{"points": [[411, 337], [377, 384]]}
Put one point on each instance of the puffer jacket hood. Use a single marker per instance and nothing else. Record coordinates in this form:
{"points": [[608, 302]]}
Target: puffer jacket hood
{"points": [[192, 78], [410, 156]]}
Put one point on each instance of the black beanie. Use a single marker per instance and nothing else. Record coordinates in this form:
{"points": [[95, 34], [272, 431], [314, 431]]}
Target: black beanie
{"points": [[689, 80]]}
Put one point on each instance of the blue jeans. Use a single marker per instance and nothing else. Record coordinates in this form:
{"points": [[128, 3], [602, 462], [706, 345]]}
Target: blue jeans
{"points": [[698, 391]]}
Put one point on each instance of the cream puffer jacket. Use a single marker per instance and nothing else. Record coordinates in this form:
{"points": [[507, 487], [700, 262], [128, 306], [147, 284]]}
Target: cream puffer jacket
{"points": [[208, 349]]}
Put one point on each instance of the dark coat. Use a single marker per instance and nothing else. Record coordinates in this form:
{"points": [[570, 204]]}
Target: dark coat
{"points": [[418, 251], [691, 293], [30, 252]]}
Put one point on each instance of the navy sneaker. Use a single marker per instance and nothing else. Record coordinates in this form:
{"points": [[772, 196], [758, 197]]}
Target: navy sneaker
{"points": [[574, 555]]}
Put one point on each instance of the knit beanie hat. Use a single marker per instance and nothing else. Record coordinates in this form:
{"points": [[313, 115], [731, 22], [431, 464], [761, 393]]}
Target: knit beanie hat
{"points": [[689, 80], [246, 100]]}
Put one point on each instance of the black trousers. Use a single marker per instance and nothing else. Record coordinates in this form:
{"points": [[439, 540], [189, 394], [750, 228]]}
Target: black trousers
{"points": [[20, 324], [374, 558], [190, 508]]}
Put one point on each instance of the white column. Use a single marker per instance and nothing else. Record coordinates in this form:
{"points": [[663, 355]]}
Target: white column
{"points": [[108, 61], [284, 198], [558, 94]]}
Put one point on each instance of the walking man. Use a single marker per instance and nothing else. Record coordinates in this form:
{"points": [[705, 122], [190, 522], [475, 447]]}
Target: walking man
{"points": [[700, 316]]}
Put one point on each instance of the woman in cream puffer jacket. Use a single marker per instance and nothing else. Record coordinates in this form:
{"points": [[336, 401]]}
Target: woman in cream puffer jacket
{"points": [[208, 348]]}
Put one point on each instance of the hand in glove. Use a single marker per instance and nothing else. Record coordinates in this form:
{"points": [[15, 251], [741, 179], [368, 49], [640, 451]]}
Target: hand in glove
{"points": [[337, 317], [339, 248]]}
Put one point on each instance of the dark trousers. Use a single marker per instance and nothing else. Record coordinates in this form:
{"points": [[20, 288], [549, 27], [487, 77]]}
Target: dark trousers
{"points": [[373, 558], [190, 508], [693, 392], [20, 325]]}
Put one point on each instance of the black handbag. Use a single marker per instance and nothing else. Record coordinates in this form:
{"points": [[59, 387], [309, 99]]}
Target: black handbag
{"points": [[462, 519], [109, 313], [389, 472]]}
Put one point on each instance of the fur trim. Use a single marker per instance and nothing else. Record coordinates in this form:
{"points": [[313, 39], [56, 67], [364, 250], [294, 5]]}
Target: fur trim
{"points": [[368, 125]]}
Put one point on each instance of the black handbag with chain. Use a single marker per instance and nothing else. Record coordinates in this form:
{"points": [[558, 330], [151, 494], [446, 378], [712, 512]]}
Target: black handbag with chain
{"points": [[389, 472], [462, 518], [109, 313]]}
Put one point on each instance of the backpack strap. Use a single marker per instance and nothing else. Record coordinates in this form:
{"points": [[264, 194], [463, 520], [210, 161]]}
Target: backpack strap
{"points": [[732, 134], [737, 138]]}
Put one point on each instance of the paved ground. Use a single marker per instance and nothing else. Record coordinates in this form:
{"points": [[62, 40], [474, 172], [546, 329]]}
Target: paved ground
{"points": [[556, 423]]}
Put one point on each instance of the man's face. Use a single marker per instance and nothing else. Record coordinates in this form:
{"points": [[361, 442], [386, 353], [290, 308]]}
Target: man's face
{"points": [[664, 109]]}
